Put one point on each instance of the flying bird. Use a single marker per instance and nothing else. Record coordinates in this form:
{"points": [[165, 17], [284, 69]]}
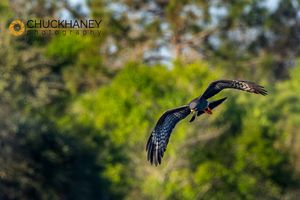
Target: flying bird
{"points": [[159, 138]]}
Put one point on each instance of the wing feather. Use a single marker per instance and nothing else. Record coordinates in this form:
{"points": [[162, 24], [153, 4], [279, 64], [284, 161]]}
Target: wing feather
{"points": [[159, 138], [248, 86]]}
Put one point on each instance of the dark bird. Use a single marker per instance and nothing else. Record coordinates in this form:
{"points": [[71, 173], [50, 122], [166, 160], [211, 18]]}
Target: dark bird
{"points": [[159, 138]]}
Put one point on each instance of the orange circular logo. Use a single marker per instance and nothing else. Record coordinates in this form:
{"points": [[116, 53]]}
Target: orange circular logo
{"points": [[17, 27]]}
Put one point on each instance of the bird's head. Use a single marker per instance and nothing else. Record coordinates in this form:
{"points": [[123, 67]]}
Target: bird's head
{"points": [[198, 105], [193, 106]]}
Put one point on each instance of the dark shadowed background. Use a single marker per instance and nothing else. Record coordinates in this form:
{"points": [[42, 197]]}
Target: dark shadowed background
{"points": [[76, 111]]}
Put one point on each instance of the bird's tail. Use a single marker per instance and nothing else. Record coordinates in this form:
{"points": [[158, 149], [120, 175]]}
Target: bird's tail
{"points": [[213, 104]]}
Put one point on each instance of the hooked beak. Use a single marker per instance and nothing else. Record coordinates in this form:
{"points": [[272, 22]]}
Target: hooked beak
{"points": [[193, 111]]}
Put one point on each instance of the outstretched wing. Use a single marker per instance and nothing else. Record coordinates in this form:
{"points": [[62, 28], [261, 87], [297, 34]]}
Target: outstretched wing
{"points": [[212, 105], [216, 86], [159, 138]]}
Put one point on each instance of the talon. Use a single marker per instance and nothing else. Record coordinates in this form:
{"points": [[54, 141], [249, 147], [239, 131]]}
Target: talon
{"points": [[208, 111]]}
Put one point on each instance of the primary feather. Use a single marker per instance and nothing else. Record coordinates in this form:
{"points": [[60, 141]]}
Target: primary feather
{"points": [[248, 86]]}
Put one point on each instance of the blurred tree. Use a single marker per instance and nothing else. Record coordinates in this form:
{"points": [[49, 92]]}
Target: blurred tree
{"points": [[38, 159], [248, 37], [76, 111], [49, 163], [195, 166], [128, 108]]}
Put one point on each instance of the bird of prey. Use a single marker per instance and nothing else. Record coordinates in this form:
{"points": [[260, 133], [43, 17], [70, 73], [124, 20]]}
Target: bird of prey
{"points": [[159, 138]]}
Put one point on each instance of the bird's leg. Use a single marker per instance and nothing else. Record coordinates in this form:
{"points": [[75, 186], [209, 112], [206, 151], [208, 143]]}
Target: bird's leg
{"points": [[208, 110]]}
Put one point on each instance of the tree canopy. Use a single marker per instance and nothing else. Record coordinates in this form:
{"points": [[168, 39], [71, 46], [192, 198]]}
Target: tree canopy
{"points": [[77, 110]]}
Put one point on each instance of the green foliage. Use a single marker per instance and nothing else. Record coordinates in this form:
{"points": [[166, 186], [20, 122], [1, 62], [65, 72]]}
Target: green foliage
{"points": [[67, 47], [136, 91], [76, 111], [252, 157], [133, 101]]}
